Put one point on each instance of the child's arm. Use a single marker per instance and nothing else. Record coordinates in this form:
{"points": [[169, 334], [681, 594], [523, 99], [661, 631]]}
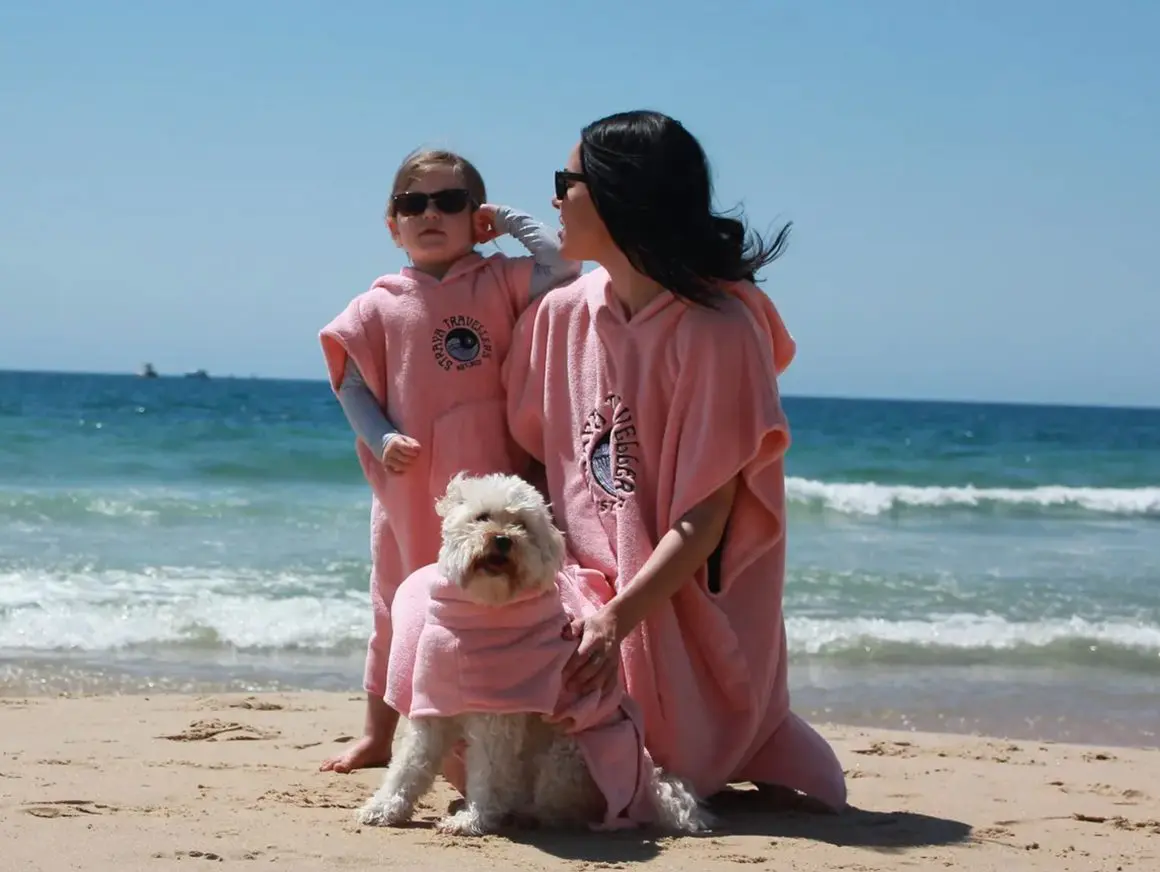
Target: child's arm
{"points": [[367, 418], [550, 269]]}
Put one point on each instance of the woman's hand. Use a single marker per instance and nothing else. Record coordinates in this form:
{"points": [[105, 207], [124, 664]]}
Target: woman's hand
{"points": [[595, 664]]}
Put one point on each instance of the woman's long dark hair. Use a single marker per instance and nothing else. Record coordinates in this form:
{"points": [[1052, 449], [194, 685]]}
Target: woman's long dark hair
{"points": [[649, 181]]}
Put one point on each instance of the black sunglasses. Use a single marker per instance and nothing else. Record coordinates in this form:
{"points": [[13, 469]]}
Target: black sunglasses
{"points": [[565, 180], [450, 201]]}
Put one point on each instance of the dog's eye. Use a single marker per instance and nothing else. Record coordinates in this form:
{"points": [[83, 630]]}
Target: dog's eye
{"points": [[483, 516]]}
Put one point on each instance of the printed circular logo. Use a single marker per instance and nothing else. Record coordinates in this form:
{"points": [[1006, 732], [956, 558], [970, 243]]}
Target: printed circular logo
{"points": [[611, 452], [601, 461], [460, 342]]}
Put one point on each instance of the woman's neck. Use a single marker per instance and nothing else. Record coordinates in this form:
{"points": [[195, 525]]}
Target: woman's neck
{"points": [[632, 288]]}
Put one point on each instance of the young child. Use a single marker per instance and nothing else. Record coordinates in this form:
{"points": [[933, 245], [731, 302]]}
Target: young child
{"points": [[415, 362]]}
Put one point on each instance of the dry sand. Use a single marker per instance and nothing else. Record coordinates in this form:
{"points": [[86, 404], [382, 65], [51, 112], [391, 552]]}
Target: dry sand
{"points": [[153, 783]]}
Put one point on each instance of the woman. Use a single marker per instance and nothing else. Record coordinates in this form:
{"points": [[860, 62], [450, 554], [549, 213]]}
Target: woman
{"points": [[648, 390]]}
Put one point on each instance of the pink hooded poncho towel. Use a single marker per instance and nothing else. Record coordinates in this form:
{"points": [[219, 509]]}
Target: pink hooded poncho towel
{"points": [[430, 351], [451, 656], [637, 420]]}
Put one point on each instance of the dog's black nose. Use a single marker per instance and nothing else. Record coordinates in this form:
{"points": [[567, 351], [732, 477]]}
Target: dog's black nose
{"points": [[502, 544]]}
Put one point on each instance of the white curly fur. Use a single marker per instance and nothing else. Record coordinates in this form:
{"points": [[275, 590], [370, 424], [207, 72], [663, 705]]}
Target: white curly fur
{"points": [[481, 511], [499, 540]]}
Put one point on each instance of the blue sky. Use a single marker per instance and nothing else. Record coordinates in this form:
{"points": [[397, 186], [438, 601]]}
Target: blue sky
{"points": [[974, 186]]}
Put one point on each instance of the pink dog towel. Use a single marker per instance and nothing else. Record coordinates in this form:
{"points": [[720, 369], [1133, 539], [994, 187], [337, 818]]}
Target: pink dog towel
{"points": [[451, 656]]}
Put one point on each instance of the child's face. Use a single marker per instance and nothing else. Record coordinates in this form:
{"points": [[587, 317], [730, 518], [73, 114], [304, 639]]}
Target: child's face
{"points": [[434, 238]]}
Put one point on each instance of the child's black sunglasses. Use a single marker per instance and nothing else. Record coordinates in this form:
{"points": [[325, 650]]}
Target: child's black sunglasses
{"points": [[450, 201]]}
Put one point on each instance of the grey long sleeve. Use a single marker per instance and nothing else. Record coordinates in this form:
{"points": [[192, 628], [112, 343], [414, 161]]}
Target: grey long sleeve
{"points": [[550, 269], [366, 417]]}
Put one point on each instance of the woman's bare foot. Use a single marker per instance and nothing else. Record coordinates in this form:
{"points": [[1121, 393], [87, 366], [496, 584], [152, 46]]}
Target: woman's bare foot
{"points": [[367, 753]]}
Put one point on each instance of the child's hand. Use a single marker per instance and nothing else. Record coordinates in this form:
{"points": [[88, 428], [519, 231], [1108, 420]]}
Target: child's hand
{"points": [[400, 453], [487, 225]]}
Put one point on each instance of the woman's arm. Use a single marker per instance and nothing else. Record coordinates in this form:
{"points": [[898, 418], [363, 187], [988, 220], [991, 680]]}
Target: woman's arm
{"points": [[684, 549]]}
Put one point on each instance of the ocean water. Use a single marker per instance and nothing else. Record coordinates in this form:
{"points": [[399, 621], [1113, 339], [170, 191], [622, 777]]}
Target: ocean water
{"points": [[989, 568]]}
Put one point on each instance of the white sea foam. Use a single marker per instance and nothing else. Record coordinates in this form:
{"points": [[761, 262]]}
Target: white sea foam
{"points": [[868, 498], [324, 611], [244, 609], [149, 508], [965, 632]]}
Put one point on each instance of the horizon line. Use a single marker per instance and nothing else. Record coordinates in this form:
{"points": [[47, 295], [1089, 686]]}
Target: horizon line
{"points": [[791, 396]]}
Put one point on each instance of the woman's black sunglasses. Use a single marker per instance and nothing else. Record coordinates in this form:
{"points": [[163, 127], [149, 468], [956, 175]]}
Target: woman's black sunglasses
{"points": [[450, 201], [565, 180]]}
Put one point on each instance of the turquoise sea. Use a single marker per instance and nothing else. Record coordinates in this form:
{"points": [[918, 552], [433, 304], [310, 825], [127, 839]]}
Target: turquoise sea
{"points": [[988, 568]]}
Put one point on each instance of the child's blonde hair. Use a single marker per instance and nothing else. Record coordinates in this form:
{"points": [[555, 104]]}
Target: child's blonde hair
{"points": [[423, 159]]}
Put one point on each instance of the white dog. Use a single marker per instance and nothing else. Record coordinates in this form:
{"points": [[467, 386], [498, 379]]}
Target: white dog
{"points": [[499, 544]]}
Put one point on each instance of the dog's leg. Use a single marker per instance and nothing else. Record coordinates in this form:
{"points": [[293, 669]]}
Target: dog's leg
{"points": [[564, 793], [495, 774], [411, 773]]}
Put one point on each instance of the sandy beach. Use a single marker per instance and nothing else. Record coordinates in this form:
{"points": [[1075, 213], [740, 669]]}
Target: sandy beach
{"points": [[172, 781]]}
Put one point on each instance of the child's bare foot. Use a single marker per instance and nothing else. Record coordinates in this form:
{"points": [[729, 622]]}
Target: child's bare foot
{"points": [[367, 753]]}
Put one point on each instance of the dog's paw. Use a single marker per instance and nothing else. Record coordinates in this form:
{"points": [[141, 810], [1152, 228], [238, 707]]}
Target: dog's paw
{"points": [[466, 822], [678, 808], [697, 821], [385, 813]]}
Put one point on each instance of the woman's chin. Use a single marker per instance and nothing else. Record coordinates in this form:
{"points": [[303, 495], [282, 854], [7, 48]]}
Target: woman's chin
{"points": [[567, 251]]}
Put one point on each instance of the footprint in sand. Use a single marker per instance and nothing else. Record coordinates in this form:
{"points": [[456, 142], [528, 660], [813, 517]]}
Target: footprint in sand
{"points": [[992, 832], [59, 808], [341, 795], [1125, 797], [1119, 822], [886, 749], [258, 705], [212, 856], [997, 833], [231, 731], [741, 859], [992, 754], [1122, 796], [194, 855], [250, 703]]}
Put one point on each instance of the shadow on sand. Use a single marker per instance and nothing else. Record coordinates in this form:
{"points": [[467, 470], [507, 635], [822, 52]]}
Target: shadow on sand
{"points": [[750, 813]]}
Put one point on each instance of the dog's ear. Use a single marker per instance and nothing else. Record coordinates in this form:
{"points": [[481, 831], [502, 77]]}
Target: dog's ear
{"points": [[452, 496], [551, 542]]}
